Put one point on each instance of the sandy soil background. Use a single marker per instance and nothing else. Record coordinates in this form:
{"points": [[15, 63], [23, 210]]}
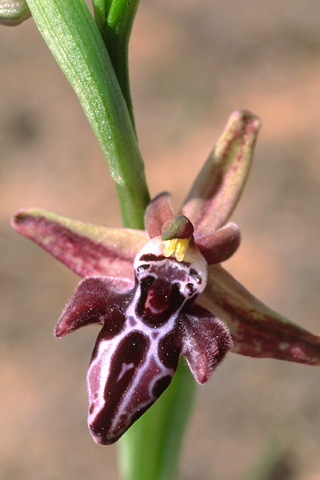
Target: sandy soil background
{"points": [[192, 63]]}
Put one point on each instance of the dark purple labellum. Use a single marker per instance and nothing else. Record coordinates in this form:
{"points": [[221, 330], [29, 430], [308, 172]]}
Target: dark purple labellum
{"points": [[123, 366], [158, 301], [145, 329]]}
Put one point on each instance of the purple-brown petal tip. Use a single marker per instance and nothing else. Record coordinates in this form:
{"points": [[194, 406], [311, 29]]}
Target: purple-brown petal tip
{"points": [[158, 212], [96, 300], [206, 341], [220, 245]]}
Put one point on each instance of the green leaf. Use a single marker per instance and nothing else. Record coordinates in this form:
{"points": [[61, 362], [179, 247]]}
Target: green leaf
{"points": [[150, 449], [116, 33], [74, 39], [101, 9]]}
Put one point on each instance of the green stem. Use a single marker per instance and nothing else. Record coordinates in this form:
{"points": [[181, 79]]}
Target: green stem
{"points": [[74, 39], [101, 9], [115, 20]]}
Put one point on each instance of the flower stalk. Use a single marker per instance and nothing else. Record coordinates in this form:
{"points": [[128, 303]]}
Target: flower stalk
{"points": [[114, 19]]}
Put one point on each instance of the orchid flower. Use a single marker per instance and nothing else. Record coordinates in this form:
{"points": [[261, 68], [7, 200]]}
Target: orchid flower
{"points": [[162, 293]]}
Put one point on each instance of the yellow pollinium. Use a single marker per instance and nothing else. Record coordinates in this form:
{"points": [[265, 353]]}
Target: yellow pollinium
{"points": [[176, 247]]}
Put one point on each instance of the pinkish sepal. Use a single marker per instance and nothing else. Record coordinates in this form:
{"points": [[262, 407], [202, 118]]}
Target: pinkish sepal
{"points": [[218, 187], [85, 248], [257, 331]]}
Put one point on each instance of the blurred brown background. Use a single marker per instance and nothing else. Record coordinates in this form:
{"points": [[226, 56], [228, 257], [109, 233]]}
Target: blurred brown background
{"points": [[192, 63]]}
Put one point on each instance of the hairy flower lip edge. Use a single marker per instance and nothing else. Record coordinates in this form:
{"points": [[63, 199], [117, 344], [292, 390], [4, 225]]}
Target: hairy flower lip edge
{"points": [[184, 332]]}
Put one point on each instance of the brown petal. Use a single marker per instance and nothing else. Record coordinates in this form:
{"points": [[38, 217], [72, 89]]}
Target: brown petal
{"points": [[220, 245], [219, 185], [85, 248], [159, 211], [206, 341], [96, 300], [257, 331]]}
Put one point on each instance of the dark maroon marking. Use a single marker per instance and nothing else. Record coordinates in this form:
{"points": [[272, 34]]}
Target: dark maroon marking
{"points": [[150, 257], [162, 296], [141, 395], [143, 267], [161, 385], [170, 348], [191, 288], [132, 349], [194, 274], [114, 325]]}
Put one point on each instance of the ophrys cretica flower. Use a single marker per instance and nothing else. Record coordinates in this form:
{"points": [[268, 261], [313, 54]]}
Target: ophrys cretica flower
{"points": [[158, 293]]}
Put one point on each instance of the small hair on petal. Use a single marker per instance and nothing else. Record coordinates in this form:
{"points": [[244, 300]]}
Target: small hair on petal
{"points": [[96, 300], [206, 341]]}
